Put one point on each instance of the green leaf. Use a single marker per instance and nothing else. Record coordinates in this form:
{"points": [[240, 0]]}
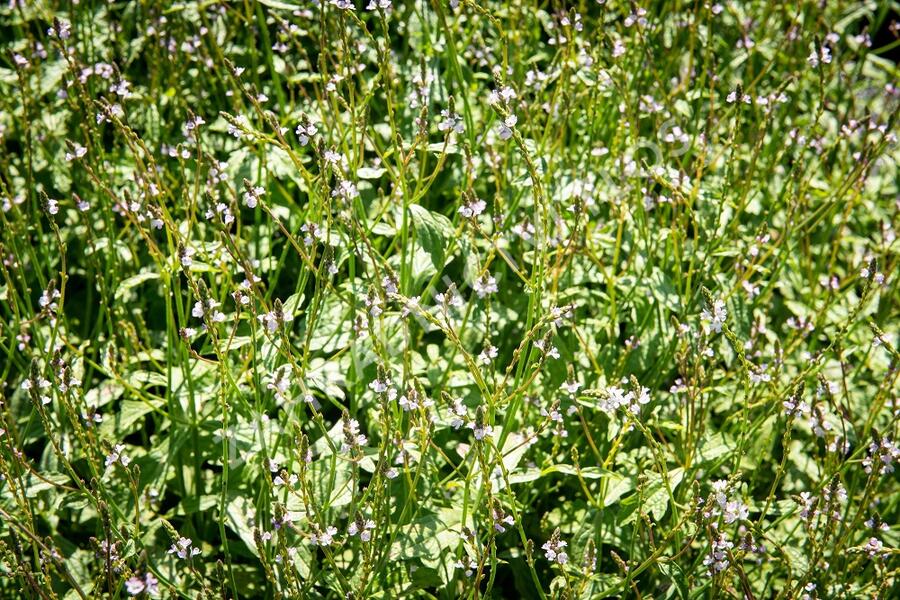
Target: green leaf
{"points": [[433, 234], [134, 281]]}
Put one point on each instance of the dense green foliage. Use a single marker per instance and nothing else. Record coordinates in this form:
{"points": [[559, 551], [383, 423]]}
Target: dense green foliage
{"points": [[449, 299]]}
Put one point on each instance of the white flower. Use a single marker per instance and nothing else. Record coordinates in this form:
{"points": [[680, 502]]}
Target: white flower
{"points": [[363, 527], [186, 256], [570, 386], [553, 549], [488, 354], [380, 386], [333, 157], [325, 538], [450, 122], [459, 412], [306, 133], [346, 190], [735, 510], [504, 94], [505, 129], [716, 319], [182, 548], [77, 152], [252, 195], [485, 285], [717, 559], [117, 456], [472, 209], [468, 565], [149, 584], [481, 431]]}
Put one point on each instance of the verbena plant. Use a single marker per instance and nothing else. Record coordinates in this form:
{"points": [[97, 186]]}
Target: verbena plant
{"points": [[448, 300]]}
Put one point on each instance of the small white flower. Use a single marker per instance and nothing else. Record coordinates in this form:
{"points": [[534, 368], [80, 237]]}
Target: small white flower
{"points": [[472, 209], [325, 538], [505, 129], [77, 152], [306, 133], [481, 431], [182, 548], [485, 285], [716, 319], [252, 196]]}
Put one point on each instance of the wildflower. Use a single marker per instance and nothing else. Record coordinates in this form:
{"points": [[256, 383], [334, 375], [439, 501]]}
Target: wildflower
{"points": [[148, 585], [614, 399], [306, 132], [77, 151], [52, 206], [504, 95], [459, 412], [346, 190], [280, 382], [479, 428], [252, 195], [182, 548], [468, 565], [759, 374], [717, 559], [333, 157], [379, 386], [207, 309], [546, 348], [353, 439], [874, 548], [571, 386], [361, 526], [554, 549], [638, 400], [881, 456], [410, 400], [488, 354], [186, 256], [485, 285], [505, 129], [279, 480], [323, 538], [500, 519], [117, 456], [61, 29], [390, 284], [410, 305], [524, 230], [450, 121], [449, 298], [716, 319], [274, 319], [342, 4], [236, 129], [312, 232], [472, 208], [735, 511]]}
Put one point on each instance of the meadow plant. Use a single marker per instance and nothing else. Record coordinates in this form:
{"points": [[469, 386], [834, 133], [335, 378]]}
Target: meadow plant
{"points": [[449, 299]]}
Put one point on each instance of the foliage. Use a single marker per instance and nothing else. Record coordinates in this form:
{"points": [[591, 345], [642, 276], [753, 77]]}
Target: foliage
{"points": [[467, 299]]}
